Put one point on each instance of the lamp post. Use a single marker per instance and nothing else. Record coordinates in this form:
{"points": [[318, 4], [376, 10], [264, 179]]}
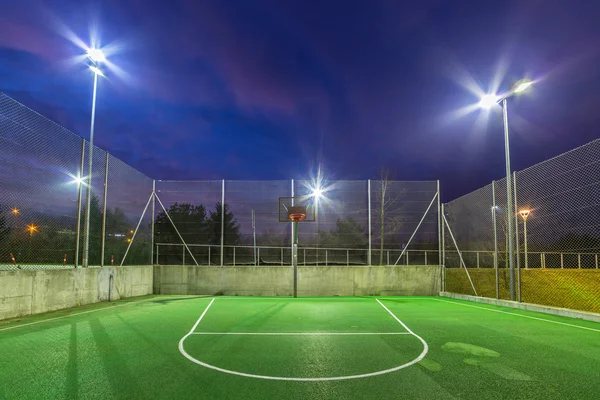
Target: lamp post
{"points": [[488, 101], [524, 214], [95, 57]]}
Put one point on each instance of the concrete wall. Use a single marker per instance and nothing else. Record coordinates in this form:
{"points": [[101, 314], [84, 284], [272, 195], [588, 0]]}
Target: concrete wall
{"points": [[312, 281], [34, 292]]}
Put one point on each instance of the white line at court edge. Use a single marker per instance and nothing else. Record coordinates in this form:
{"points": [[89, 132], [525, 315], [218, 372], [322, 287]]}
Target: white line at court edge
{"points": [[300, 333], [520, 315]]}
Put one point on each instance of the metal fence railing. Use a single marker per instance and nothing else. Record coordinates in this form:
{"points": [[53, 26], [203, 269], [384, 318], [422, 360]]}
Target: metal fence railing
{"points": [[241, 255], [557, 236]]}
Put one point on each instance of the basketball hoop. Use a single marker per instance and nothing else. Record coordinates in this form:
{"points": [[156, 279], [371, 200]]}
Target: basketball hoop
{"points": [[296, 213]]}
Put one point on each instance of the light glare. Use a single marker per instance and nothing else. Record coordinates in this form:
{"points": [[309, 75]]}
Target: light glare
{"points": [[488, 101], [317, 193], [96, 55]]}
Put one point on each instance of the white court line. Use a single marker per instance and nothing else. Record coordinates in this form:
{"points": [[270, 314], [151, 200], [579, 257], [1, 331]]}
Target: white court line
{"points": [[285, 378], [79, 313], [301, 333], [520, 315]]}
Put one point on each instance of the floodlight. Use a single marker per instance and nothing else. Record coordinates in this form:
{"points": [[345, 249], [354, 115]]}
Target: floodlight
{"points": [[522, 86], [96, 70], [524, 213], [317, 193], [15, 211], [488, 101], [96, 55], [78, 180]]}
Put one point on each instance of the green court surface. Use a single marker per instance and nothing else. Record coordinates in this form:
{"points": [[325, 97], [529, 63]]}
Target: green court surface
{"points": [[193, 347]]}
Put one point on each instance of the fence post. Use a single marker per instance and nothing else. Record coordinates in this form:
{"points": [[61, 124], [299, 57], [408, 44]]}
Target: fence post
{"points": [[153, 217], [103, 233], [542, 261], [222, 222], [406, 257], [443, 271], [369, 218], [518, 258], [79, 195], [157, 247], [388, 257], [304, 255], [439, 221], [325, 257], [233, 255], [477, 253], [579, 260], [183, 256], [596, 261], [282, 256], [425, 258], [562, 261], [209, 255], [494, 224], [347, 257]]}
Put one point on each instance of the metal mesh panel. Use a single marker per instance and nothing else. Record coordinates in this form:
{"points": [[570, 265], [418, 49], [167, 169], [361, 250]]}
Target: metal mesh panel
{"points": [[96, 204], [258, 198], [397, 207], [194, 207], [562, 229], [127, 195], [38, 196], [558, 245], [341, 224]]}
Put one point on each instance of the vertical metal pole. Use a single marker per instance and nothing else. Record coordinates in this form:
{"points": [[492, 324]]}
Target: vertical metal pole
{"points": [[292, 181], [562, 261], [208, 254], [102, 247], [152, 224], [443, 271], [326, 260], [439, 213], [222, 222], [295, 256], [518, 258], [234, 255], [78, 218], [157, 247], [494, 223], [596, 258], [477, 255], [281, 257], [369, 219], [579, 260], [183, 255], [86, 230], [525, 242], [509, 203], [254, 234], [347, 257], [425, 258]]}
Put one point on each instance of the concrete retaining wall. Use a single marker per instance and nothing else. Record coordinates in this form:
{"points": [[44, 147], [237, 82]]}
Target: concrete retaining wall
{"points": [[312, 281], [34, 292]]}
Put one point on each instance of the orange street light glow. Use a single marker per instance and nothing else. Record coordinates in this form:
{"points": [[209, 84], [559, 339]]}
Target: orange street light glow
{"points": [[15, 211], [524, 213]]}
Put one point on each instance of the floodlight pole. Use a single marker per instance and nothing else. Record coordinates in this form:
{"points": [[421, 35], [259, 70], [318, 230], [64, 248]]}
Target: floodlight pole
{"points": [[86, 231], [509, 203]]}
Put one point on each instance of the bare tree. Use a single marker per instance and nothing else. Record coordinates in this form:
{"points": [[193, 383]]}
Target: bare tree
{"points": [[389, 211]]}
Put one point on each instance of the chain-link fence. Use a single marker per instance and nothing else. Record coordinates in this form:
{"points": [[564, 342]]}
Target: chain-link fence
{"points": [[236, 223], [43, 178], [557, 235]]}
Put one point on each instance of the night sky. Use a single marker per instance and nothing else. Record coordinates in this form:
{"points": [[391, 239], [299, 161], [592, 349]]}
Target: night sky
{"points": [[272, 89]]}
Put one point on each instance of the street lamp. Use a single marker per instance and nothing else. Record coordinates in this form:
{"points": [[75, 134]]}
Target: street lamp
{"points": [[15, 211], [488, 101], [524, 214], [96, 57]]}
